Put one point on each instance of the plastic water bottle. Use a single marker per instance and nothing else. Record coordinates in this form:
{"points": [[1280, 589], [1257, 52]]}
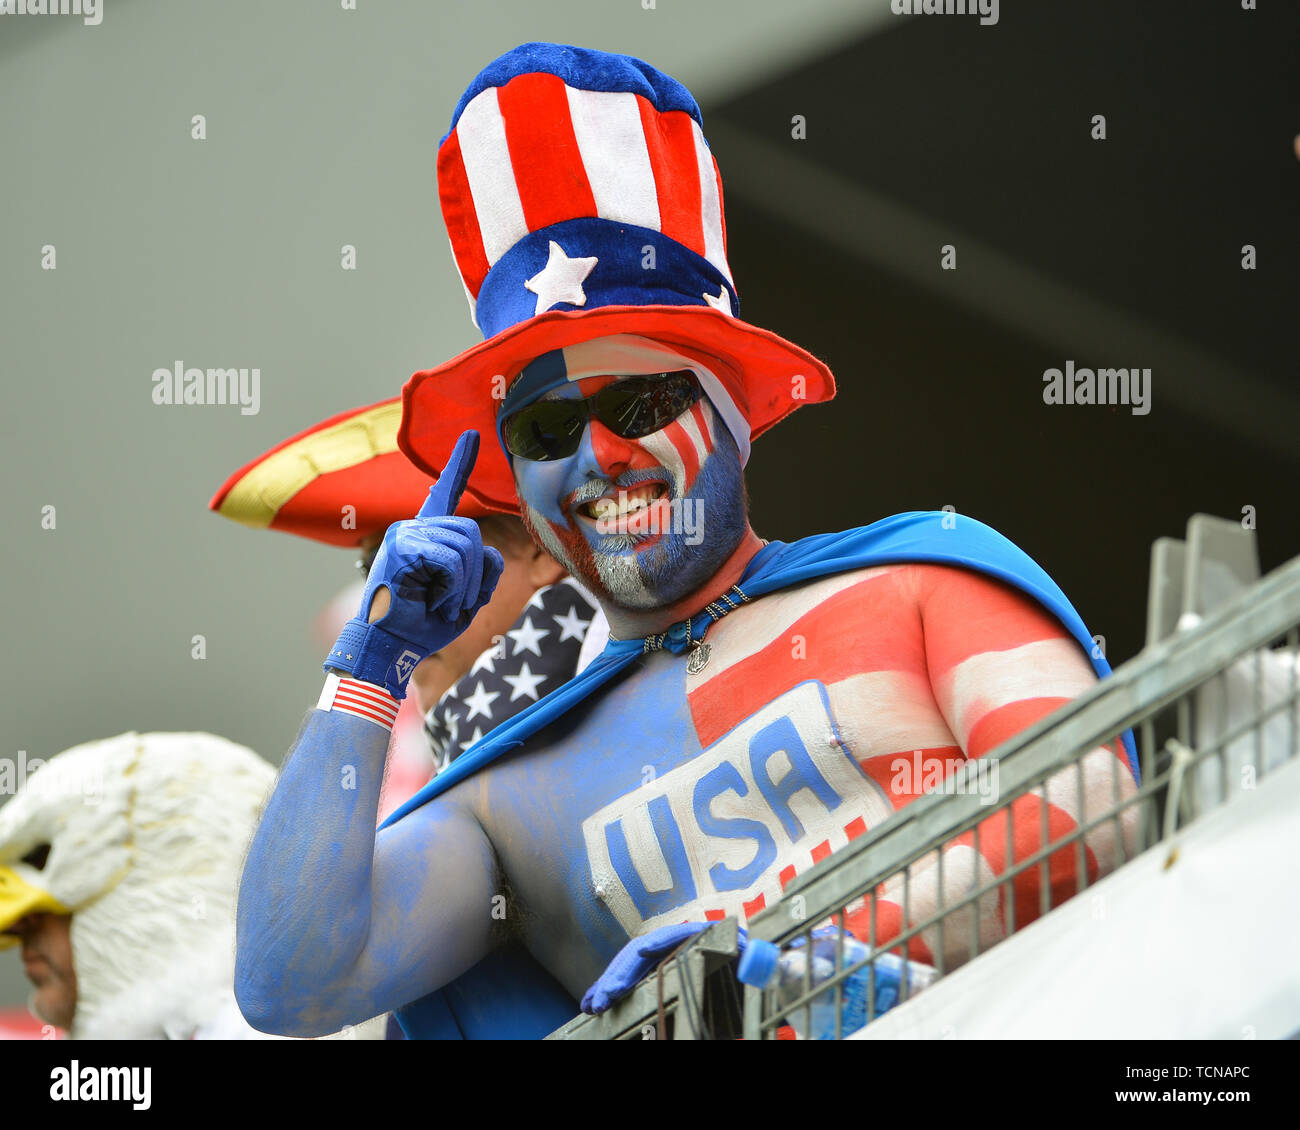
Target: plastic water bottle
{"points": [[767, 966]]}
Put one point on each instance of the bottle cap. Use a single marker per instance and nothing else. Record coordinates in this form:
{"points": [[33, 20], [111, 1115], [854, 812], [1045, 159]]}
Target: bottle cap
{"points": [[758, 963]]}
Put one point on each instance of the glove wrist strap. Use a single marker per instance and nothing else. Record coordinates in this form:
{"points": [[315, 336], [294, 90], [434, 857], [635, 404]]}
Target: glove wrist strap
{"points": [[372, 654]]}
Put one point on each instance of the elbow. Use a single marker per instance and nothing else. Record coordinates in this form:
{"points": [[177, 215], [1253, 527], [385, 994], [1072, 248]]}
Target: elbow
{"points": [[260, 1013], [260, 976], [268, 1007], [261, 1005], [265, 1009], [261, 997], [288, 982]]}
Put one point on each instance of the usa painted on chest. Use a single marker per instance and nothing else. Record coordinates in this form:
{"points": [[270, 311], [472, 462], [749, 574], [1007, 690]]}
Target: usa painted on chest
{"points": [[724, 832], [777, 786]]}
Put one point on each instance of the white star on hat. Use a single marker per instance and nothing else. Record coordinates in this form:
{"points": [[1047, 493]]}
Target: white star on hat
{"points": [[525, 683], [480, 702], [572, 626], [526, 637], [561, 279], [720, 301]]}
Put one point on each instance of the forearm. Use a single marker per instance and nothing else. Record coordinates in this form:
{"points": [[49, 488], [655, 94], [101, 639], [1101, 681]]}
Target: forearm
{"points": [[1037, 826], [319, 939], [994, 663], [305, 897]]}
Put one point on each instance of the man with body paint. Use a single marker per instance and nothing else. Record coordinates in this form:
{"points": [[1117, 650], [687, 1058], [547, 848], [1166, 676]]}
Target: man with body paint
{"points": [[752, 708]]}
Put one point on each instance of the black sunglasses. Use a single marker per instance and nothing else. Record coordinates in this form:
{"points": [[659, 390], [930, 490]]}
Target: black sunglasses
{"points": [[631, 408]]}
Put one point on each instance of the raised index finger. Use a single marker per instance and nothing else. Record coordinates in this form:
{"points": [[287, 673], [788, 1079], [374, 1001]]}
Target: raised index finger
{"points": [[444, 495]]}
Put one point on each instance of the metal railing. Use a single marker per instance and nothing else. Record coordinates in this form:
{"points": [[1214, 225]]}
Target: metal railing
{"points": [[1214, 709]]}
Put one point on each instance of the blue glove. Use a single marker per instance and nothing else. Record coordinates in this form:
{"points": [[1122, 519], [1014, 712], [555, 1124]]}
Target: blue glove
{"points": [[438, 576], [638, 958]]}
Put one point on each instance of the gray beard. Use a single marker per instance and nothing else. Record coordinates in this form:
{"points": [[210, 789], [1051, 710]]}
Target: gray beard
{"points": [[617, 575], [621, 577]]}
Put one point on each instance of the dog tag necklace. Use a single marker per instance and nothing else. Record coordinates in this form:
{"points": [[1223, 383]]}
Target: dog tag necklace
{"points": [[699, 653]]}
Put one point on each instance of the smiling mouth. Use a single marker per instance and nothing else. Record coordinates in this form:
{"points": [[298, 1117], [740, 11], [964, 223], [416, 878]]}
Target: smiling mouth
{"points": [[623, 503]]}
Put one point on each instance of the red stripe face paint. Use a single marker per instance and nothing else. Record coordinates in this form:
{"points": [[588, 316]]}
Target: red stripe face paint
{"points": [[642, 522]]}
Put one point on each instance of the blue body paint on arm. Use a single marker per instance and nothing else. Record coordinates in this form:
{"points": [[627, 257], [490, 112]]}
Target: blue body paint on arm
{"points": [[336, 926]]}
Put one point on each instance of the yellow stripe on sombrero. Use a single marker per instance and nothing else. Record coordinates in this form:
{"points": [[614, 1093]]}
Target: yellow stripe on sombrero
{"points": [[257, 497]]}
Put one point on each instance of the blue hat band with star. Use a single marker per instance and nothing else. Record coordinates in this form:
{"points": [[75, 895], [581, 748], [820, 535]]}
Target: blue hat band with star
{"points": [[590, 262]]}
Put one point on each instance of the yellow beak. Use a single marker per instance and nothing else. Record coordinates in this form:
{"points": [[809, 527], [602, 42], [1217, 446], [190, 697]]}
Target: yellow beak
{"points": [[19, 898]]}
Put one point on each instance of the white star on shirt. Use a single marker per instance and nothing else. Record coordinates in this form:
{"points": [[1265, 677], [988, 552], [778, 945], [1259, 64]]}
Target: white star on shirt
{"points": [[526, 637], [525, 683], [480, 702], [473, 738], [720, 301], [561, 279], [572, 626], [535, 601]]}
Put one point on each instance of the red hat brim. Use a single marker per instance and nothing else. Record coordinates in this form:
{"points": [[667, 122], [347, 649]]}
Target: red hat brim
{"points": [[759, 368], [301, 486]]}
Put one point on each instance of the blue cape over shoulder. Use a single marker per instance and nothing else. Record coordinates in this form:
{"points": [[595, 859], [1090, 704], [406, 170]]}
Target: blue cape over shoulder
{"points": [[509, 996]]}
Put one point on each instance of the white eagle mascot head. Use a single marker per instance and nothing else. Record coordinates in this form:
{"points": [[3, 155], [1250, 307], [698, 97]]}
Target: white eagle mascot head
{"points": [[146, 835]]}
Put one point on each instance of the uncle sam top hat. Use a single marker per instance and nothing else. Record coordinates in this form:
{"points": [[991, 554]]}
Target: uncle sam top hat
{"points": [[582, 201]]}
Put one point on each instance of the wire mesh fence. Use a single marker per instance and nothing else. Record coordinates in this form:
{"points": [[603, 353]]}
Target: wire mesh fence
{"points": [[1214, 709]]}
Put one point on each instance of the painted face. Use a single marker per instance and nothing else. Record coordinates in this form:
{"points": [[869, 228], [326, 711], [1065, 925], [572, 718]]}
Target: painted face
{"points": [[644, 522]]}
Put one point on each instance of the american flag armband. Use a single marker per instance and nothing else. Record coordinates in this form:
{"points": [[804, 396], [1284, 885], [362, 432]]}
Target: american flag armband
{"points": [[365, 700]]}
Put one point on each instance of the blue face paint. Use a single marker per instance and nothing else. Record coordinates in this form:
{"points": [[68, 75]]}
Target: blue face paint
{"points": [[691, 536]]}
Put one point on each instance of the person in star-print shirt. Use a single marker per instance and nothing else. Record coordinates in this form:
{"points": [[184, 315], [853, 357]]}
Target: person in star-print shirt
{"points": [[545, 648]]}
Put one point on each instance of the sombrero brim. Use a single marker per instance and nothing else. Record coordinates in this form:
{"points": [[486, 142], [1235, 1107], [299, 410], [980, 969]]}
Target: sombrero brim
{"points": [[301, 486], [767, 376]]}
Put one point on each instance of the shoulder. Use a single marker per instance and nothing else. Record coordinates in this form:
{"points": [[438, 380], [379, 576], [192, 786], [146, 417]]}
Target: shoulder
{"points": [[450, 819], [825, 596], [936, 536], [940, 550]]}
